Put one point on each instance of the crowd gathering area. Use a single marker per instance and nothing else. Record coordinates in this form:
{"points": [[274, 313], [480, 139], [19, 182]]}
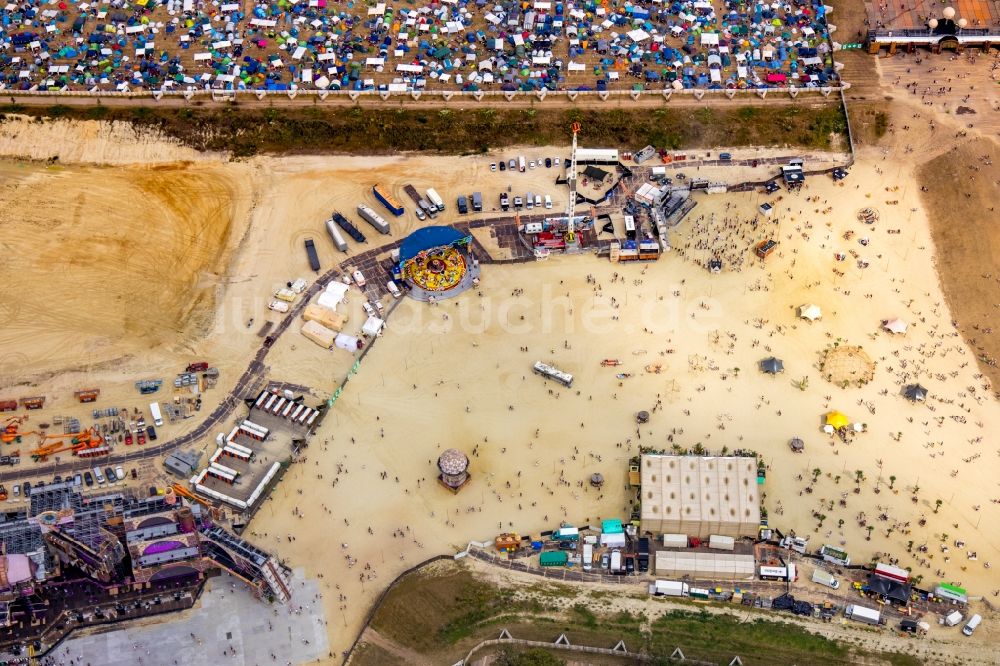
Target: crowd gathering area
{"points": [[448, 45]]}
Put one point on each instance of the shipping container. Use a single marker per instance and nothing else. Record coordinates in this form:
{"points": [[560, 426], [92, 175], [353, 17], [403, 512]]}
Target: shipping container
{"points": [[554, 558]]}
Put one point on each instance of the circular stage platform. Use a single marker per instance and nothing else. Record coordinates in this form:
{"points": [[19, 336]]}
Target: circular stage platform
{"points": [[436, 264]]}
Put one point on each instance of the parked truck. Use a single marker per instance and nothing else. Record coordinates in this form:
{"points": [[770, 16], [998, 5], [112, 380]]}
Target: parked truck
{"points": [[669, 588], [154, 410], [566, 534], [825, 578], [311, 253], [336, 236], [371, 217], [862, 614], [435, 199]]}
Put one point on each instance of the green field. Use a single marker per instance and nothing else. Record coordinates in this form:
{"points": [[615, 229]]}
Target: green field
{"points": [[442, 613], [246, 131]]}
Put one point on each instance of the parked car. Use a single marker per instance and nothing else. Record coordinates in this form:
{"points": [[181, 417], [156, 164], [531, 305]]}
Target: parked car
{"points": [[548, 162], [531, 164], [151, 432], [77, 479], [503, 165], [88, 478], [119, 472], [17, 490], [135, 474], [110, 475], [493, 166], [605, 561], [512, 165], [369, 310]]}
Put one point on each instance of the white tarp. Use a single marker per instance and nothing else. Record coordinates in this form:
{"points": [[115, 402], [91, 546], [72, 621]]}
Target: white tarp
{"points": [[638, 35]]}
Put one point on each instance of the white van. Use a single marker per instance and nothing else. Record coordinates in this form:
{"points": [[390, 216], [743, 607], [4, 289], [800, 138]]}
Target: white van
{"points": [[588, 556], [616, 561], [548, 201], [825, 578], [99, 475], [529, 201], [393, 289], [971, 625], [538, 201]]}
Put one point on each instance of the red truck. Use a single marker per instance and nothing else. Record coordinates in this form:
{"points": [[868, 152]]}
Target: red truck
{"points": [[140, 437], [128, 439], [200, 366]]}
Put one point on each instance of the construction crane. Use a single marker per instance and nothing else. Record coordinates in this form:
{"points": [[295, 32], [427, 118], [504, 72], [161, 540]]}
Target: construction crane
{"points": [[571, 181]]}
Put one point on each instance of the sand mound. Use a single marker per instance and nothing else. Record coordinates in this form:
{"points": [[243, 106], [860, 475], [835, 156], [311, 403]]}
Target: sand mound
{"points": [[92, 142], [102, 261]]}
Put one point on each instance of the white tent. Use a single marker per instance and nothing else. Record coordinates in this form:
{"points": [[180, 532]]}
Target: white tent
{"points": [[613, 540], [638, 35], [810, 312], [372, 327], [896, 325]]}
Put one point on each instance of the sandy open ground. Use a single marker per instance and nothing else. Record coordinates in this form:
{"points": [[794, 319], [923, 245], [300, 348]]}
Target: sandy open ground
{"points": [[157, 265]]}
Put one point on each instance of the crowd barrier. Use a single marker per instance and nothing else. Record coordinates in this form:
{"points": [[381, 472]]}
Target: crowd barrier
{"points": [[443, 95]]}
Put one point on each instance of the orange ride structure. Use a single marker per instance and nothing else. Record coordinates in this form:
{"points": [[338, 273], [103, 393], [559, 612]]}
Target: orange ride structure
{"points": [[436, 263]]}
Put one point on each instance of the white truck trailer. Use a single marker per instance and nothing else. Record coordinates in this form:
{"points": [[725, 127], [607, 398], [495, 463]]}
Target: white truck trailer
{"points": [[863, 614], [669, 588], [435, 198]]}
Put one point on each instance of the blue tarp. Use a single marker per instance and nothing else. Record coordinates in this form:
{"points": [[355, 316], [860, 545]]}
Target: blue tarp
{"points": [[428, 238]]}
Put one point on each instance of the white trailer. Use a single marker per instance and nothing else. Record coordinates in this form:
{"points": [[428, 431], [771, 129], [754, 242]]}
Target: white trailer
{"points": [[154, 410], [675, 541], [670, 588], [719, 542], [435, 198], [616, 561], [335, 235], [369, 215], [862, 614]]}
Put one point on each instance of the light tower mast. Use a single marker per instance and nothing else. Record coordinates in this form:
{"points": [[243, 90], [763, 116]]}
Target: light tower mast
{"points": [[571, 178]]}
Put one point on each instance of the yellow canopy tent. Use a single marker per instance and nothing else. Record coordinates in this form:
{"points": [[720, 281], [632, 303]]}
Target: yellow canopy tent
{"points": [[838, 420]]}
